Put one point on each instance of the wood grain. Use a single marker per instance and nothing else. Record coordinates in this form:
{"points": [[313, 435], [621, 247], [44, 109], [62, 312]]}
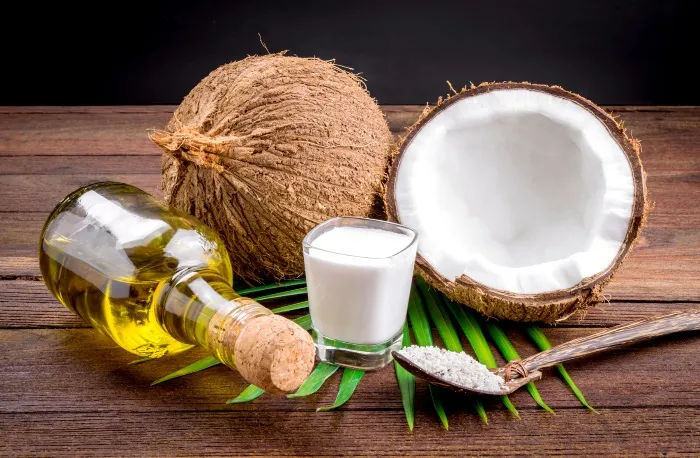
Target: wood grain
{"points": [[674, 194], [664, 266], [80, 165], [91, 131], [28, 304], [65, 390], [647, 432], [18, 265], [41, 193], [85, 134], [74, 370]]}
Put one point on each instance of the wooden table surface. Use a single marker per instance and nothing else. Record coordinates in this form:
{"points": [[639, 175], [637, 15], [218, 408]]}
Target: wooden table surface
{"points": [[66, 390]]}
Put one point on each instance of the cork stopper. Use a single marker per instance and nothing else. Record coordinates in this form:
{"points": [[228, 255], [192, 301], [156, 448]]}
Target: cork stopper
{"points": [[274, 353]]}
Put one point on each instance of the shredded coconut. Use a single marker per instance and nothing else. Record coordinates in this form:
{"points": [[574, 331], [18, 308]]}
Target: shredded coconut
{"points": [[458, 368]]}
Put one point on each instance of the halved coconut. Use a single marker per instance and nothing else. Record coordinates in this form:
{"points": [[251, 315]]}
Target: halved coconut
{"points": [[526, 199]]}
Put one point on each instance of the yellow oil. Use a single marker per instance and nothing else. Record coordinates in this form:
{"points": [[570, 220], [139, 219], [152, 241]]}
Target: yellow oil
{"points": [[109, 251]]}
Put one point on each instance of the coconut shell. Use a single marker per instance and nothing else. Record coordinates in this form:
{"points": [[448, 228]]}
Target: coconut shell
{"points": [[545, 307], [265, 148]]}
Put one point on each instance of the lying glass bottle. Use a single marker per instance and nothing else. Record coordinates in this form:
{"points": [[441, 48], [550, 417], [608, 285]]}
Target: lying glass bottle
{"points": [[158, 281]]}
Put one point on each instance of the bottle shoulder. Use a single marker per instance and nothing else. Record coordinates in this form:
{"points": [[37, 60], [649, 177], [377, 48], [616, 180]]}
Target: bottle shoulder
{"points": [[123, 233]]}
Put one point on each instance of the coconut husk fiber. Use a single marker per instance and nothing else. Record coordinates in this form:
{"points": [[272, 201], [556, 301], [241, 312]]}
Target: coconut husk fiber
{"points": [[265, 148]]}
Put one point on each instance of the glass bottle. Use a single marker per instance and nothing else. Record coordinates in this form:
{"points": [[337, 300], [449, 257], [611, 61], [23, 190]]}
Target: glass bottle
{"points": [[158, 281]]}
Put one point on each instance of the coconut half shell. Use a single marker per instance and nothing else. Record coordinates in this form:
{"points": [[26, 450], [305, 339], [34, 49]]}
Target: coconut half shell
{"points": [[526, 198]]}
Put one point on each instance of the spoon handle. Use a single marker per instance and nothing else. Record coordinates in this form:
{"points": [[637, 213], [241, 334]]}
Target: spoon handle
{"points": [[613, 338]]}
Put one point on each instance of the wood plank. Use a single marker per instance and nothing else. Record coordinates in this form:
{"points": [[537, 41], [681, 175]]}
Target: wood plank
{"points": [[16, 265], [41, 193], [80, 165], [671, 280], [123, 130], [669, 139], [674, 194], [79, 370], [100, 109], [678, 168], [69, 391], [29, 304], [20, 232], [368, 433], [79, 133], [663, 267], [608, 314], [52, 109]]}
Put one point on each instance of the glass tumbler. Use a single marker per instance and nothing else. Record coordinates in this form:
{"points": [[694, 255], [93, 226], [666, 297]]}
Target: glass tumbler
{"points": [[359, 273]]}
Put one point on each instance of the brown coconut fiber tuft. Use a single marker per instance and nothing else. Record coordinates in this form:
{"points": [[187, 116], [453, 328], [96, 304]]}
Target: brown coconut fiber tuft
{"points": [[547, 307], [266, 148]]}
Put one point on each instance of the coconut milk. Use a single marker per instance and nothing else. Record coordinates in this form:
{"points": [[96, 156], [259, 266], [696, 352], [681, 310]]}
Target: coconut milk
{"points": [[359, 279]]}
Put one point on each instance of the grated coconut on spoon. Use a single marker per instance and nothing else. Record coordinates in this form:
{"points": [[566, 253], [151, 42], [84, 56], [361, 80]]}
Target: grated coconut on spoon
{"points": [[458, 368]]}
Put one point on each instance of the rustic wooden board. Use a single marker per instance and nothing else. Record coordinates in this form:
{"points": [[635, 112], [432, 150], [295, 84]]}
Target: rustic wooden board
{"points": [[79, 133], [40, 169], [124, 130], [647, 432], [66, 390], [644, 432], [79, 370], [28, 304], [662, 267], [674, 194], [18, 265], [148, 164]]}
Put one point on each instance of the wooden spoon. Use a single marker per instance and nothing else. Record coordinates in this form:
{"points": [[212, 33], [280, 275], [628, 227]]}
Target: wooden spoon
{"points": [[519, 372]]}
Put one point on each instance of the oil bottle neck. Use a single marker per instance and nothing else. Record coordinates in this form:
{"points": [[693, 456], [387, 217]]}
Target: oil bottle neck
{"points": [[198, 306]]}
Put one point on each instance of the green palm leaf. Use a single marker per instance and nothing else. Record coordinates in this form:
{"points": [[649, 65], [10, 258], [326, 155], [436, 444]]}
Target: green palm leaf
{"points": [[407, 382], [543, 344], [509, 353], [351, 378], [469, 323], [448, 333], [315, 380], [251, 393], [259, 289], [204, 363], [436, 397], [291, 292], [424, 338], [141, 360], [304, 322], [291, 307], [419, 320]]}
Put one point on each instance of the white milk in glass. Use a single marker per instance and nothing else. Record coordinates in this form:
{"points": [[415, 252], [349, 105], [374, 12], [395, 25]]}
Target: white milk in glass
{"points": [[359, 275]]}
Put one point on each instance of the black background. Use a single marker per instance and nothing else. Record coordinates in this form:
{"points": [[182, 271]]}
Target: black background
{"points": [[153, 52]]}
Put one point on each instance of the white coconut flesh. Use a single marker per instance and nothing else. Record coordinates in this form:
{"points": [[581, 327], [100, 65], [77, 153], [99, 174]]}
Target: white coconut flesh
{"points": [[519, 190]]}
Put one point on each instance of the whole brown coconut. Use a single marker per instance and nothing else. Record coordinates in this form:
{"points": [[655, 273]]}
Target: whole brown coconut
{"points": [[266, 148], [527, 199]]}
